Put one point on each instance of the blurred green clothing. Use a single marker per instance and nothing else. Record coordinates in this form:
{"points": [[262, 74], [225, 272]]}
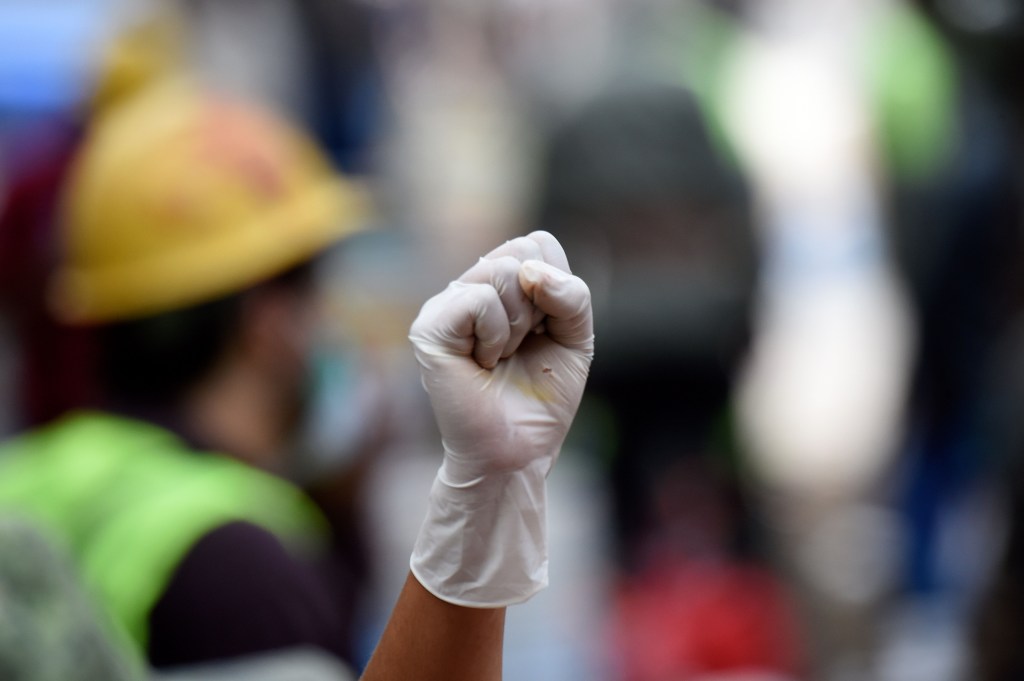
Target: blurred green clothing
{"points": [[910, 78], [49, 629], [128, 500]]}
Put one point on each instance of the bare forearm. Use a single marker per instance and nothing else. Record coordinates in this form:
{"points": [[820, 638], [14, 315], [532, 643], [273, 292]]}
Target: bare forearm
{"points": [[428, 639]]}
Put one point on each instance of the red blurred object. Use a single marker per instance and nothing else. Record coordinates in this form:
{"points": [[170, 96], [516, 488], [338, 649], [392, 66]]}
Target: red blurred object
{"points": [[683, 619], [54, 362]]}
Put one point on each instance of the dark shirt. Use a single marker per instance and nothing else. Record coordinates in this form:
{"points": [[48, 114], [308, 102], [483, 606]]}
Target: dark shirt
{"points": [[238, 592]]}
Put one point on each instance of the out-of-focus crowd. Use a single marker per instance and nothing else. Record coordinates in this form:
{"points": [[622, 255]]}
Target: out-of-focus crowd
{"points": [[802, 221]]}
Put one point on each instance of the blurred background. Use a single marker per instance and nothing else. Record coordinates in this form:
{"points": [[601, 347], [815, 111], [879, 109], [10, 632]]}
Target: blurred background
{"points": [[798, 456]]}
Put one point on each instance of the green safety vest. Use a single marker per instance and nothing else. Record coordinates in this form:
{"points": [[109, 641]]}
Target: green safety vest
{"points": [[127, 501]]}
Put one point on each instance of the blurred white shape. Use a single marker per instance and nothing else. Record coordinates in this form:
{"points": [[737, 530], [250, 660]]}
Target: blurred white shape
{"points": [[252, 48], [457, 150], [822, 396], [925, 640], [467, 81], [799, 118], [854, 553], [346, 411], [559, 634], [558, 51], [394, 502]]}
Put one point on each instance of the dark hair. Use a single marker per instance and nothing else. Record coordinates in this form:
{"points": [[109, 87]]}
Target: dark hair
{"points": [[155, 360]]}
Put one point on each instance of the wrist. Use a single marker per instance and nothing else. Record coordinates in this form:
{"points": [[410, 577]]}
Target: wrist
{"points": [[484, 544]]}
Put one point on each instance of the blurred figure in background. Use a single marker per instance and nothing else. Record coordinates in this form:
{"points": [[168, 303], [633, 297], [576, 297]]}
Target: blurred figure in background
{"points": [[204, 322], [844, 116], [975, 315], [635, 184], [845, 113], [909, 485], [52, 628]]}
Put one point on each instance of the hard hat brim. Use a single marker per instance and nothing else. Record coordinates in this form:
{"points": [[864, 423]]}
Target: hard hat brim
{"points": [[288, 235]]}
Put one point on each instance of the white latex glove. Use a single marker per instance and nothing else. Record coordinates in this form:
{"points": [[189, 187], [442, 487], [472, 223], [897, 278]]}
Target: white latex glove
{"points": [[504, 353]]}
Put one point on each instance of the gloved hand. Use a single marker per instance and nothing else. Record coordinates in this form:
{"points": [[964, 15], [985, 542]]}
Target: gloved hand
{"points": [[504, 353]]}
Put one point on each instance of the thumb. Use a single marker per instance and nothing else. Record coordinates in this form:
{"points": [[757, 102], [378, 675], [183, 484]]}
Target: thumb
{"points": [[565, 299]]}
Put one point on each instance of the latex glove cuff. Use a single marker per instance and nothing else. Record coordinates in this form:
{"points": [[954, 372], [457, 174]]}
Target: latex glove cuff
{"points": [[484, 544]]}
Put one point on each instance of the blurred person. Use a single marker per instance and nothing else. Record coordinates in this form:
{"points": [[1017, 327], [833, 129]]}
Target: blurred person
{"points": [[860, 399], [148, 362], [833, 265], [953, 229], [189, 225], [977, 433], [53, 362], [635, 183], [820, 397]]}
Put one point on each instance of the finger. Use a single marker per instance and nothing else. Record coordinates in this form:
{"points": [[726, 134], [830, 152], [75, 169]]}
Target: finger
{"points": [[464, 319], [503, 274], [538, 245], [565, 299], [521, 248], [550, 249]]}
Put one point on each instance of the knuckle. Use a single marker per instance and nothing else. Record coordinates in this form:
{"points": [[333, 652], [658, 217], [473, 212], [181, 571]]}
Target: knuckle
{"points": [[542, 236], [526, 248]]}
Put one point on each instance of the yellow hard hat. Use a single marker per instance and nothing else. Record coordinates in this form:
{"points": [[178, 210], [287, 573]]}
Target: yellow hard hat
{"points": [[179, 196], [137, 56]]}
